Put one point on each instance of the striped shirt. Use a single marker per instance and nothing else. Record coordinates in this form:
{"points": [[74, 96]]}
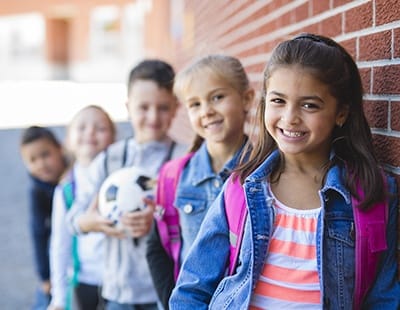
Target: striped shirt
{"points": [[289, 279]]}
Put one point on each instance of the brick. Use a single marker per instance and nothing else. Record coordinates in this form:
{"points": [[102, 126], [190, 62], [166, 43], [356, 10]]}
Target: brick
{"points": [[301, 13], [336, 3], [386, 11], [314, 28], [270, 26], [387, 149], [386, 79], [376, 113], [350, 46], [256, 15], [375, 46], [319, 6], [358, 18], [395, 116], [365, 74], [396, 43], [332, 26], [263, 48], [284, 20]]}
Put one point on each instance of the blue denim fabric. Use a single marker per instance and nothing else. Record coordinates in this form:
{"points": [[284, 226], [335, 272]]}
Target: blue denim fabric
{"points": [[198, 187], [42, 300], [203, 282]]}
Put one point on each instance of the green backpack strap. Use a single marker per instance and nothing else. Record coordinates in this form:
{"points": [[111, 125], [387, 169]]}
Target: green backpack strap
{"points": [[69, 196]]}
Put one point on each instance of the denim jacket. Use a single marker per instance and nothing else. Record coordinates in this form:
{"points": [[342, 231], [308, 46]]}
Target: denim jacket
{"points": [[198, 187], [203, 282]]}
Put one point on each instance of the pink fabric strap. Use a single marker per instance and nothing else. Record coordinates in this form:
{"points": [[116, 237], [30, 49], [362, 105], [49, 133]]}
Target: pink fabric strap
{"points": [[167, 216], [370, 242], [236, 211]]}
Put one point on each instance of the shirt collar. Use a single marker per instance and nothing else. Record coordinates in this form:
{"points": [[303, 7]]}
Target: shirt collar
{"points": [[202, 159]]}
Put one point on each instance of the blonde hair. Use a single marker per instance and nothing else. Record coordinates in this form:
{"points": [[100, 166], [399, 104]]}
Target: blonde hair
{"points": [[99, 108], [224, 67], [69, 155]]}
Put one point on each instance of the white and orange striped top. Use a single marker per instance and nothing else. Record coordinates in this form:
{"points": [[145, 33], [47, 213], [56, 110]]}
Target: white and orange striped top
{"points": [[289, 279]]}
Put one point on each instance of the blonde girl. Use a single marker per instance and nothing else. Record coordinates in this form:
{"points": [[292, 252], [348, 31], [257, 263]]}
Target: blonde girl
{"points": [[77, 262], [217, 95]]}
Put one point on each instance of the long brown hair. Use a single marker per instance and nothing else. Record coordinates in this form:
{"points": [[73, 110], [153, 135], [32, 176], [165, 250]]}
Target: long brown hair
{"points": [[352, 144]]}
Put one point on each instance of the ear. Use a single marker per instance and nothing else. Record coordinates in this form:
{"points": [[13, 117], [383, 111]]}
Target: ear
{"points": [[248, 99], [342, 115]]}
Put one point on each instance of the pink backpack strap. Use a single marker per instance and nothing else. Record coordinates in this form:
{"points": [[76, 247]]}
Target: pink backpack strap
{"points": [[166, 215], [236, 211], [370, 243], [370, 228]]}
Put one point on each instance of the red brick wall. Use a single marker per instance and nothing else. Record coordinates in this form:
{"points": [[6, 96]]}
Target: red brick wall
{"points": [[369, 30]]}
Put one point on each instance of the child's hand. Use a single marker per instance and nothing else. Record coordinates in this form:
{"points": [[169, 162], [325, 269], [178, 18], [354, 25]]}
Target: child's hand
{"points": [[46, 287], [92, 221], [138, 223]]}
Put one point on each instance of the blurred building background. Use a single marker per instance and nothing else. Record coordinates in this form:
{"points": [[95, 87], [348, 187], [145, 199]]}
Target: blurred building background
{"points": [[99, 41], [79, 40], [56, 55]]}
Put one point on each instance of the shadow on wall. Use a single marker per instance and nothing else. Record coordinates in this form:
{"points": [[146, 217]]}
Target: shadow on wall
{"points": [[18, 280]]}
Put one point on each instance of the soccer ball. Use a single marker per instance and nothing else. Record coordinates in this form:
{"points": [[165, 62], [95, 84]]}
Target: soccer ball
{"points": [[123, 191]]}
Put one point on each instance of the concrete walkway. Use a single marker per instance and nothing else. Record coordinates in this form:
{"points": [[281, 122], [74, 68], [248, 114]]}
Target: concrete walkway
{"points": [[17, 276]]}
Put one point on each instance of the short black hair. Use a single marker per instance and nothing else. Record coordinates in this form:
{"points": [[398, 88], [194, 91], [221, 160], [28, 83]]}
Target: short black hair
{"points": [[153, 69], [34, 133]]}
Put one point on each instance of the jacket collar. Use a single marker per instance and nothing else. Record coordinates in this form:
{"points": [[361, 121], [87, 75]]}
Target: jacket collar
{"points": [[334, 177], [202, 160]]}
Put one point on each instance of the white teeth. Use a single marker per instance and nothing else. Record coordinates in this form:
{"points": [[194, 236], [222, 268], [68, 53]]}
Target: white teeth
{"points": [[212, 124], [293, 134]]}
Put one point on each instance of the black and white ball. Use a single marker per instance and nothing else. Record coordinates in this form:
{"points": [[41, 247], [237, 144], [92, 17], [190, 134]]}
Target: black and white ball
{"points": [[123, 191]]}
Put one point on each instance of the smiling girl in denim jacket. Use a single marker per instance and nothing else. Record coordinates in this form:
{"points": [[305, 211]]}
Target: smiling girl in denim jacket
{"points": [[298, 248], [216, 93]]}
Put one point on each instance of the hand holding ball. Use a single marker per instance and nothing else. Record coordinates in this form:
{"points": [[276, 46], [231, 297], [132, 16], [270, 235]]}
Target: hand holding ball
{"points": [[123, 191]]}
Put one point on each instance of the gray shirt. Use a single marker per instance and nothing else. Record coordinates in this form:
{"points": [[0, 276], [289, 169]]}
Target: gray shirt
{"points": [[126, 276]]}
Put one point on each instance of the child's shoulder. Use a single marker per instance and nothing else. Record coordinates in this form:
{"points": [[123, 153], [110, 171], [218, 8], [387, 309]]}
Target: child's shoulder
{"points": [[115, 155], [120, 144], [180, 149]]}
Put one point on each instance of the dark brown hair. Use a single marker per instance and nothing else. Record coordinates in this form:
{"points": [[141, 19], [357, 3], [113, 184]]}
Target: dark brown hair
{"points": [[34, 133], [155, 70], [331, 64]]}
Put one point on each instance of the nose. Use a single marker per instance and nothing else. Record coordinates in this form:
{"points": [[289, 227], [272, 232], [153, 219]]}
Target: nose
{"points": [[152, 114], [91, 130], [207, 109], [290, 116]]}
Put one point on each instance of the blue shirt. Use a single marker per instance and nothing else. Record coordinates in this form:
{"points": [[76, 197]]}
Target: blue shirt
{"points": [[203, 284]]}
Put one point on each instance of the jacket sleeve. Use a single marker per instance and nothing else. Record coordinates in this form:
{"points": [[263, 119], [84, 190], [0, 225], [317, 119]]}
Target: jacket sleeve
{"points": [[40, 213], [161, 267], [87, 192], [206, 263], [386, 290], [60, 250]]}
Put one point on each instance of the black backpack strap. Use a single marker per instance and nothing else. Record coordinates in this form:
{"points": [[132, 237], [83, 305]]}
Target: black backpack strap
{"points": [[109, 159], [170, 151]]}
